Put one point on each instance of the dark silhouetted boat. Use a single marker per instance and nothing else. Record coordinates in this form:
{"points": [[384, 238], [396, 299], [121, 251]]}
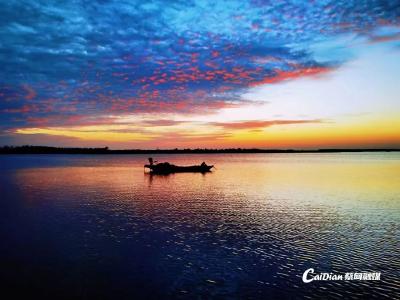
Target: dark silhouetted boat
{"points": [[167, 168]]}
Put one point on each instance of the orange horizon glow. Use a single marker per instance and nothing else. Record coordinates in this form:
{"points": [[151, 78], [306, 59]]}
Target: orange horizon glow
{"points": [[300, 135]]}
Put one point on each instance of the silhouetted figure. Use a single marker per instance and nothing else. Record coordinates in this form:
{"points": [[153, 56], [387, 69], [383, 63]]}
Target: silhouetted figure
{"points": [[203, 164], [151, 161]]}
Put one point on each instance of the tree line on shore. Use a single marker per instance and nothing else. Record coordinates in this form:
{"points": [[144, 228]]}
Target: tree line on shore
{"points": [[29, 149]]}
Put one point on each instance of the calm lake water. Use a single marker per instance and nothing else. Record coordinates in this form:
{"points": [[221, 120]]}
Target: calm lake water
{"points": [[98, 227]]}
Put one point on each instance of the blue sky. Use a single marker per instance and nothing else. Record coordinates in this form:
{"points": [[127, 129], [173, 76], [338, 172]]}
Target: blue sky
{"points": [[105, 63]]}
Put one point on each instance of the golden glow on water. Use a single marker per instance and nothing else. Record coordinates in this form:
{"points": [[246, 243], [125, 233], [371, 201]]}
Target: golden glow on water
{"points": [[303, 176], [269, 214]]}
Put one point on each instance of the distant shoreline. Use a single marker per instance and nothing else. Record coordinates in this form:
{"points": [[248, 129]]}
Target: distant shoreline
{"points": [[106, 150]]}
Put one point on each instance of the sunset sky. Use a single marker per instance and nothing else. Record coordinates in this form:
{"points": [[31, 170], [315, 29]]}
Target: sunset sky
{"points": [[215, 74]]}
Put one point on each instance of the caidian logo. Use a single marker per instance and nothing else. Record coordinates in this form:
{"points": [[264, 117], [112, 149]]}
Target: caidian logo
{"points": [[309, 275]]}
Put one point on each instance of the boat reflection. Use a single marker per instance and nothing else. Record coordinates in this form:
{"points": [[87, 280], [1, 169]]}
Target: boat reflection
{"points": [[164, 178]]}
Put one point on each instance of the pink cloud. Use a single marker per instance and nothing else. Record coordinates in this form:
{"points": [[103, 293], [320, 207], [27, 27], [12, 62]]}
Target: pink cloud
{"points": [[299, 72], [30, 92], [261, 124]]}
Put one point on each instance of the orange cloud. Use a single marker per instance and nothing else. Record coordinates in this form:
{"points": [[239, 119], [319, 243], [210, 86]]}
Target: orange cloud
{"points": [[293, 74], [385, 38], [30, 92], [261, 124]]}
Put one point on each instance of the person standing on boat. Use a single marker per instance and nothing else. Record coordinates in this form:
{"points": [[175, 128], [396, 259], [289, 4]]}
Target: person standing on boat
{"points": [[151, 161]]}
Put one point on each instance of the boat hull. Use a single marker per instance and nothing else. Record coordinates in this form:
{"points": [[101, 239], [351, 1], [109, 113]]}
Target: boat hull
{"points": [[168, 168]]}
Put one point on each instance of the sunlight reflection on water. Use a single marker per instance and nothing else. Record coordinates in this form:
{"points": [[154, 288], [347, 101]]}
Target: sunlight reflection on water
{"points": [[249, 229]]}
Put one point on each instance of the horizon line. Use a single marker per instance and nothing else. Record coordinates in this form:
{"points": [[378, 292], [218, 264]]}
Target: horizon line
{"points": [[33, 149]]}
